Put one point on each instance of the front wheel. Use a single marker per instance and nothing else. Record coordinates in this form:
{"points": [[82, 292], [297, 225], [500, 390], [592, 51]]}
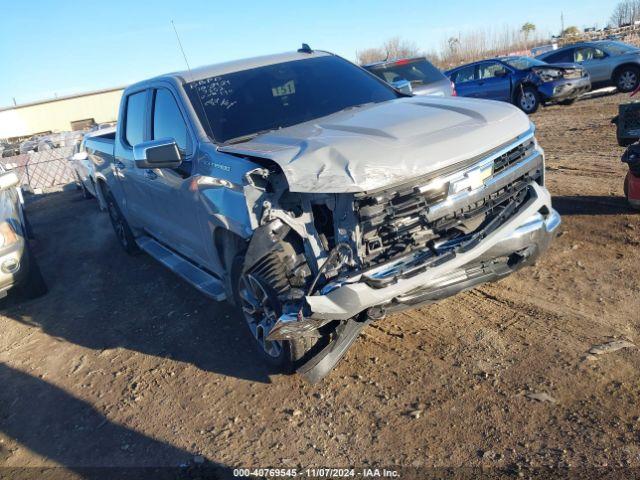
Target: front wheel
{"points": [[627, 79], [569, 101], [257, 295], [528, 99], [121, 226]]}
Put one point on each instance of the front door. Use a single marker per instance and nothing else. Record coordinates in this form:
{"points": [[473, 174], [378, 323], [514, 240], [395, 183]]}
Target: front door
{"points": [[174, 196], [494, 82]]}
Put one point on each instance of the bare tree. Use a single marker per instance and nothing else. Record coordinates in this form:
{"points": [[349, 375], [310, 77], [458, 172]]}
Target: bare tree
{"points": [[392, 49], [370, 55], [397, 48], [625, 13]]}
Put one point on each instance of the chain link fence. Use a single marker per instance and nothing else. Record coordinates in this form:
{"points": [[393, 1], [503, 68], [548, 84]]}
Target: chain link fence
{"points": [[44, 170]]}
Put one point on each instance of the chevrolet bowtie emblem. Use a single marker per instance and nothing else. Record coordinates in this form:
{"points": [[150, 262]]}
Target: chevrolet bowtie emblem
{"points": [[472, 179]]}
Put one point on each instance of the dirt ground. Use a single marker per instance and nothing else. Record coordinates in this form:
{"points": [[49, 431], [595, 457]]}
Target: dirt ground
{"points": [[123, 364]]}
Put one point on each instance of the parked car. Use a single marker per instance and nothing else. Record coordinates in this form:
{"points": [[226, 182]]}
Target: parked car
{"points": [[84, 165], [316, 209], [523, 81], [413, 75], [10, 149], [18, 267], [632, 180], [30, 144], [608, 62]]}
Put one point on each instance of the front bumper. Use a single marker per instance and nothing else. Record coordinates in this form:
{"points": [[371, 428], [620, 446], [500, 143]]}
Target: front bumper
{"points": [[517, 242], [565, 89]]}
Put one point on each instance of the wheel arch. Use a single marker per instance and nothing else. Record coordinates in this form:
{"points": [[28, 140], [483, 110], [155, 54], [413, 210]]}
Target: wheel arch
{"points": [[622, 66]]}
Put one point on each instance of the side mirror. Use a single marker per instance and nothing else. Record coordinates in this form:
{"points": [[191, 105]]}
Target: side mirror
{"points": [[161, 153], [403, 86], [8, 181], [78, 157], [500, 73]]}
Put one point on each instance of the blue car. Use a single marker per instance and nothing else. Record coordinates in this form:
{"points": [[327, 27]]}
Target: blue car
{"points": [[525, 82]]}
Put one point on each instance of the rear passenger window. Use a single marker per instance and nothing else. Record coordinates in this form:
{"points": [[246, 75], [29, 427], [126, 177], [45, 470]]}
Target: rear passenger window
{"points": [[134, 128], [466, 74], [168, 121]]}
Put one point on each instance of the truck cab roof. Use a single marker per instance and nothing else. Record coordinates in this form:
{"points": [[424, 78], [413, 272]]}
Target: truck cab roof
{"points": [[208, 71]]}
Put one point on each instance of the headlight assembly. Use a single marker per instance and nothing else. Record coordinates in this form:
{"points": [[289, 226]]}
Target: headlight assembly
{"points": [[548, 74]]}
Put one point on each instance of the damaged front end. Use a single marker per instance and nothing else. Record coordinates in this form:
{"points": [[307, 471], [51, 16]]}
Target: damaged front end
{"points": [[359, 256]]}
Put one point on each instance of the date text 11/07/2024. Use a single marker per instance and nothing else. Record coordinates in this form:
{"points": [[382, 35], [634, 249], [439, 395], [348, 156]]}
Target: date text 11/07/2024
{"points": [[316, 472]]}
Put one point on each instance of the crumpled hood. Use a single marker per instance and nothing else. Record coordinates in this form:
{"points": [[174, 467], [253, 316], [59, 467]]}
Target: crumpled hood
{"points": [[381, 144]]}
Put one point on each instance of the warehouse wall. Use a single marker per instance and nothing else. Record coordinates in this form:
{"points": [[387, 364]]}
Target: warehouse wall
{"points": [[57, 115]]}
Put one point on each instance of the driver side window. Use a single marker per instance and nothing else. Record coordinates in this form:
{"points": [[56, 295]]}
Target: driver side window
{"points": [[167, 121], [489, 70]]}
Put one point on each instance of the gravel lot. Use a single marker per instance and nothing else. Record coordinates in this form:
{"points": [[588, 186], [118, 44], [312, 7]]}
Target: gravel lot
{"points": [[122, 363]]}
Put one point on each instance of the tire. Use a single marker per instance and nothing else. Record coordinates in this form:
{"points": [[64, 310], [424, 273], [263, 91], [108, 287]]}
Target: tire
{"points": [[625, 187], [569, 101], [257, 298], [528, 100], [85, 193], [627, 79], [34, 285], [121, 226]]}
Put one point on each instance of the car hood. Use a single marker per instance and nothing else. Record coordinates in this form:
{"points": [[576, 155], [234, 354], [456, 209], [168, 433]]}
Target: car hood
{"points": [[377, 145]]}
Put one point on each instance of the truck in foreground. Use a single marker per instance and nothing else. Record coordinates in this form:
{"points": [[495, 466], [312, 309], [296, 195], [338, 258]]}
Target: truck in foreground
{"points": [[316, 198]]}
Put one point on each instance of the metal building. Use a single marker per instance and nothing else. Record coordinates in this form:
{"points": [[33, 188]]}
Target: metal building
{"points": [[71, 112]]}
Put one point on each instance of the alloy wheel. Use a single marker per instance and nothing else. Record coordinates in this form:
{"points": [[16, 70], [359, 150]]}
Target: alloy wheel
{"points": [[116, 221], [259, 313], [628, 80]]}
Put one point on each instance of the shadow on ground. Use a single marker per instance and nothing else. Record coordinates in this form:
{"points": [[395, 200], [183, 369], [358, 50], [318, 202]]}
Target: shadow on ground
{"points": [[68, 431], [591, 205], [101, 298]]}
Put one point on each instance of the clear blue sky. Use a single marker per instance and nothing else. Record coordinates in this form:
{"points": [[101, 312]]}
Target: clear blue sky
{"points": [[50, 48]]}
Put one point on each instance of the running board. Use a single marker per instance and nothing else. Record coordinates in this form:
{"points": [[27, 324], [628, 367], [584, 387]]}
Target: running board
{"points": [[203, 281]]}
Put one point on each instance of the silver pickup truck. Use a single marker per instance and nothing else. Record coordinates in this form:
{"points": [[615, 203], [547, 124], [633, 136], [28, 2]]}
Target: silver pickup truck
{"points": [[317, 199]]}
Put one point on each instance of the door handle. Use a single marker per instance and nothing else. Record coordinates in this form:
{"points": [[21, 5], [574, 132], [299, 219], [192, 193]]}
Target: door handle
{"points": [[150, 174], [119, 165]]}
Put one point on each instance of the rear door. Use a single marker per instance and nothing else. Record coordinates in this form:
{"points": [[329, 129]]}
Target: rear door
{"points": [[174, 192], [132, 180], [465, 81], [490, 84]]}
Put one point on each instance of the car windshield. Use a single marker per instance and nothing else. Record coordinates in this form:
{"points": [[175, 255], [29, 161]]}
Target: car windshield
{"points": [[522, 63], [618, 48], [245, 103], [418, 72]]}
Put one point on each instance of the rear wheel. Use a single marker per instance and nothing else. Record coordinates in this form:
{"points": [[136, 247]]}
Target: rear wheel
{"points": [[121, 226], [528, 99], [627, 79]]}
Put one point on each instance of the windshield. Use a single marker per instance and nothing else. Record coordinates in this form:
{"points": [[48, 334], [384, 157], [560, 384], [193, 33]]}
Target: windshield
{"points": [[275, 96], [418, 72], [618, 48], [522, 63]]}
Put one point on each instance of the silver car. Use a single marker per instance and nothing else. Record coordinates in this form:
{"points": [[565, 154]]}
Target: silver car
{"points": [[608, 62], [18, 268], [415, 76]]}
